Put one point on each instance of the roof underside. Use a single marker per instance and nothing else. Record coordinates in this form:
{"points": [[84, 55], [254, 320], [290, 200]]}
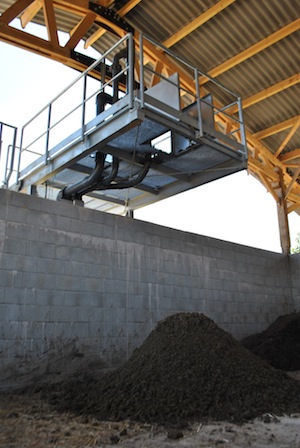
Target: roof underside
{"points": [[250, 46]]}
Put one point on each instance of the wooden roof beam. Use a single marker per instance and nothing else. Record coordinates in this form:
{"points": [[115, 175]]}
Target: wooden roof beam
{"points": [[196, 23], [35, 44], [253, 50], [14, 10], [290, 186], [30, 12], [99, 33], [50, 22], [290, 156], [279, 127], [287, 138], [266, 93], [128, 7], [80, 30]]}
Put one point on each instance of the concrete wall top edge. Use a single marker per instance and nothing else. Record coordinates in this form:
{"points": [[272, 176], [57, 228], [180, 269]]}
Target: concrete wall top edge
{"points": [[119, 223]]}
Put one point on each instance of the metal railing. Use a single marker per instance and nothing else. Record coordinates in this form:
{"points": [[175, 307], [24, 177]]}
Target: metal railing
{"points": [[70, 111], [228, 127], [8, 146]]}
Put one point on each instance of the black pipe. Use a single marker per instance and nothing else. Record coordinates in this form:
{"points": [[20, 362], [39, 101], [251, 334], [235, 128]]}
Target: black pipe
{"points": [[101, 100], [114, 171], [130, 183], [116, 68], [96, 181], [76, 191]]}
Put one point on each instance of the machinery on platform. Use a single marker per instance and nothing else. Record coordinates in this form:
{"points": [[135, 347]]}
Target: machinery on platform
{"points": [[122, 135]]}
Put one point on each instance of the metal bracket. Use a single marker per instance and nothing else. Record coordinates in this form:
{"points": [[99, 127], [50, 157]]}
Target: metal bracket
{"points": [[111, 16]]}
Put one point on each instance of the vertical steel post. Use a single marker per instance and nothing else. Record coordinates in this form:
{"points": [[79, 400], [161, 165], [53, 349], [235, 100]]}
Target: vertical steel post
{"points": [[242, 126], [83, 107], [20, 153], [1, 130], [199, 112], [142, 71], [48, 134], [9, 170], [130, 63]]}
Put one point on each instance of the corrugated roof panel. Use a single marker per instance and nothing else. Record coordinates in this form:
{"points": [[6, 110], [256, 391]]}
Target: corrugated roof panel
{"points": [[274, 141], [273, 110], [161, 19], [238, 27], [269, 67]]}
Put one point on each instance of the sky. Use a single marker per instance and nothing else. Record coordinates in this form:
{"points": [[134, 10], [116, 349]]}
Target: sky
{"points": [[236, 208]]}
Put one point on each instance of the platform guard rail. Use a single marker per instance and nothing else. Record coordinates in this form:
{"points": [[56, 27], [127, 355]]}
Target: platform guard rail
{"points": [[8, 150], [72, 112]]}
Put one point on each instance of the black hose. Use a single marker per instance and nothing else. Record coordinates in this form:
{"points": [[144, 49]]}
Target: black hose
{"points": [[76, 191]]}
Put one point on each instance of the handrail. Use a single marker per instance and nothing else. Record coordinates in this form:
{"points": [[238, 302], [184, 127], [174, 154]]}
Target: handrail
{"points": [[189, 95], [80, 106], [8, 166], [218, 111]]}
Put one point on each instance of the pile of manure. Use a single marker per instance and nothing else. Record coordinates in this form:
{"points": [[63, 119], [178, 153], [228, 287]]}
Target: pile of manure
{"points": [[279, 344], [187, 369]]}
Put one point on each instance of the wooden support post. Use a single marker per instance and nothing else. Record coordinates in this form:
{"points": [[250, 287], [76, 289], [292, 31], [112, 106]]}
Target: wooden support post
{"points": [[283, 216]]}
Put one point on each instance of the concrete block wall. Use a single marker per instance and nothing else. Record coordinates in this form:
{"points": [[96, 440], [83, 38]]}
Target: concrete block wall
{"points": [[77, 279], [295, 279]]}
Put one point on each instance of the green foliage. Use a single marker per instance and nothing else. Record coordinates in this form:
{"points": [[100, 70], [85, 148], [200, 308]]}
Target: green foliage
{"points": [[296, 249]]}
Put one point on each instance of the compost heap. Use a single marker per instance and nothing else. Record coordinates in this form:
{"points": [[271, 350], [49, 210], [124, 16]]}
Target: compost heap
{"points": [[187, 369], [279, 344]]}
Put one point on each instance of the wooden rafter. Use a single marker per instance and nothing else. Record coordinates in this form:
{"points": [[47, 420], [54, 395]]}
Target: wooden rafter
{"points": [[292, 155], [128, 7], [253, 50], [287, 138], [95, 36], [196, 23], [81, 28], [14, 10], [50, 22], [294, 179], [30, 12], [101, 31], [266, 93], [279, 127], [157, 70]]}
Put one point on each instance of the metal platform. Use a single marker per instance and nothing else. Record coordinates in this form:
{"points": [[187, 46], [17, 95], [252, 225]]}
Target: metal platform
{"points": [[166, 138]]}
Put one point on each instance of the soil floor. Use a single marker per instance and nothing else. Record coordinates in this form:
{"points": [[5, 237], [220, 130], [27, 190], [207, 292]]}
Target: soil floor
{"points": [[184, 358], [27, 421]]}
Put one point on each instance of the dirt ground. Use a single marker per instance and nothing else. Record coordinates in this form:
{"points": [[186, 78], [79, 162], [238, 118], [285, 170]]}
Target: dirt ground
{"points": [[210, 378], [26, 421]]}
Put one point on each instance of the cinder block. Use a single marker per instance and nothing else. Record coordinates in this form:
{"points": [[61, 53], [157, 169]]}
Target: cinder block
{"points": [[13, 246], [16, 214], [6, 279], [41, 219], [117, 315], [22, 231], [63, 314], [10, 312], [19, 262], [88, 314], [41, 250], [96, 329]]}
